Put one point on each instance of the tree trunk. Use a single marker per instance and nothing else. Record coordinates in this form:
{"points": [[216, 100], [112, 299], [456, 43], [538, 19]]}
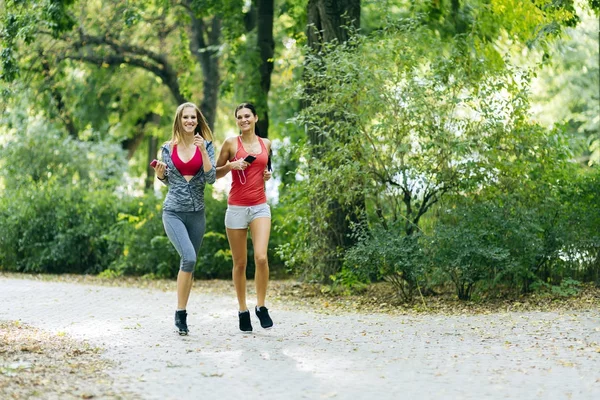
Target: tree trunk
{"points": [[457, 19], [131, 144], [57, 96], [260, 17], [326, 23], [205, 41], [152, 150], [328, 18], [266, 46]]}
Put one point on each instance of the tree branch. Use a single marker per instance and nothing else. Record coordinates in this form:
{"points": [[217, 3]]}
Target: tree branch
{"points": [[119, 48]]}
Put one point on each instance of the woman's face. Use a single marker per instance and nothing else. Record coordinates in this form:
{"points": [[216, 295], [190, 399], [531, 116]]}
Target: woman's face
{"points": [[246, 120], [189, 119]]}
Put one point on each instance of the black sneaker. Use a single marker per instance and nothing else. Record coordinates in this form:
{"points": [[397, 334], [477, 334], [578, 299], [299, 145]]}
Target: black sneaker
{"points": [[263, 314], [181, 322], [245, 324]]}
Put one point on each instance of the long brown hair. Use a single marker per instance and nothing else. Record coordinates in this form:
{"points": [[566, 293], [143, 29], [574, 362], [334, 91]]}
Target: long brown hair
{"points": [[178, 131]]}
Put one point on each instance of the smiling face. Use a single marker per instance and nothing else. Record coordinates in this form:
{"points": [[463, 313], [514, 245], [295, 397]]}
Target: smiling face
{"points": [[189, 119], [246, 119]]}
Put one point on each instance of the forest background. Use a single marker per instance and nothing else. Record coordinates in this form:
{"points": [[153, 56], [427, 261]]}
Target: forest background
{"points": [[436, 145]]}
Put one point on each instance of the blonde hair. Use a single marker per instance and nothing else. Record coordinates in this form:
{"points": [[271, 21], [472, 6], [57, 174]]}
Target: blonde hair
{"points": [[178, 130]]}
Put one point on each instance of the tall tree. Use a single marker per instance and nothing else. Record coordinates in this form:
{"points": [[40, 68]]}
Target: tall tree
{"points": [[329, 23], [205, 42], [147, 36], [254, 59], [266, 46]]}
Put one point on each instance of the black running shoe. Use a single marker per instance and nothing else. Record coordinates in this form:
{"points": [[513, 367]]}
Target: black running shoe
{"points": [[181, 322], [245, 324], [263, 314]]}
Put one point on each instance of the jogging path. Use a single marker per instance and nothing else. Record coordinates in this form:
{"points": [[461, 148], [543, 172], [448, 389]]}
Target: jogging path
{"points": [[311, 355]]}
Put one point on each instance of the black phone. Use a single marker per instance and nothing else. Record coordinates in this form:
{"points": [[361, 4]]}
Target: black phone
{"points": [[269, 165], [249, 158], [197, 130]]}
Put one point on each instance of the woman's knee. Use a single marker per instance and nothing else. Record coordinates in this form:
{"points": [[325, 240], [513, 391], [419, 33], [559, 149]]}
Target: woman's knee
{"points": [[239, 268], [188, 264], [260, 260]]}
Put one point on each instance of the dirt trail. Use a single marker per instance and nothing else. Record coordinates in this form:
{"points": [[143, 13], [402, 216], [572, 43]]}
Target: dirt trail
{"points": [[310, 355]]}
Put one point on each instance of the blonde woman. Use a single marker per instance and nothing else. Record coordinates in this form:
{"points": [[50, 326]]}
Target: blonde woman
{"points": [[188, 164]]}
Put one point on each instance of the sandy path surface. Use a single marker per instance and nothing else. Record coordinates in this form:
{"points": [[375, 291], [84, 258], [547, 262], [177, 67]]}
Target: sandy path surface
{"points": [[311, 355]]}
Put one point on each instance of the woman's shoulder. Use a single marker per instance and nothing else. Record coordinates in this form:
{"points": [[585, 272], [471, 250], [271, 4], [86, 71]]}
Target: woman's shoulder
{"points": [[231, 139], [230, 142], [168, 145], [266, 142]]}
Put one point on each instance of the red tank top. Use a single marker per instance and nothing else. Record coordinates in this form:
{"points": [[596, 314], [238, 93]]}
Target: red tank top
{"points": [[248, 186], [187, 168]]}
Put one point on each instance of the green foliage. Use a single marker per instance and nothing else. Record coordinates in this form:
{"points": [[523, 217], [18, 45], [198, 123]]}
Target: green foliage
{"points": [[68, 229], [62, 211], [403, 128], [566, 89], [34, 153], [466, 245], [57, 201], [346, 282], [305, 208], [55, 228], [532, 22], [389, 254], [242, 65], [523, 238], [409, 121], [580, 254], [21, 21], [93, 100], [568, 288], [292, 17], [215, 259]]}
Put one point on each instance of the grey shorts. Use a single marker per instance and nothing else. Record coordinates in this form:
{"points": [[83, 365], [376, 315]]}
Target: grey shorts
{"points": [[239, 217]]}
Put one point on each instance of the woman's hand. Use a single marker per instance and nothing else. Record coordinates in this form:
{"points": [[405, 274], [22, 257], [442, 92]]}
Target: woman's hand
{"points": [[267, 175], [200, 142], [160, 169], [239, 165]]}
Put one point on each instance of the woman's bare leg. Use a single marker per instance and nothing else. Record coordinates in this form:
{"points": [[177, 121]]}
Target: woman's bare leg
{"points": [[184, 287], [239, 253], [260, 230]]}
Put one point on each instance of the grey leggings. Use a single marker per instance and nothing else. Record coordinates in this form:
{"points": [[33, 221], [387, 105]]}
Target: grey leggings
{"points": [[185, 230]]}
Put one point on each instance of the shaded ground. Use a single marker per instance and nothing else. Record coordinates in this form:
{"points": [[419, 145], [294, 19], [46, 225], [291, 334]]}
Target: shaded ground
{"points": [[330, 347]]}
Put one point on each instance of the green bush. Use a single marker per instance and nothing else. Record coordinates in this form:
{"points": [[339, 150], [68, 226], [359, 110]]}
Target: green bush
{"points": [[541, 234], [580, 199], [56, 229], [391, 255], [62, 212], [467, 246], [57, 201]]}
